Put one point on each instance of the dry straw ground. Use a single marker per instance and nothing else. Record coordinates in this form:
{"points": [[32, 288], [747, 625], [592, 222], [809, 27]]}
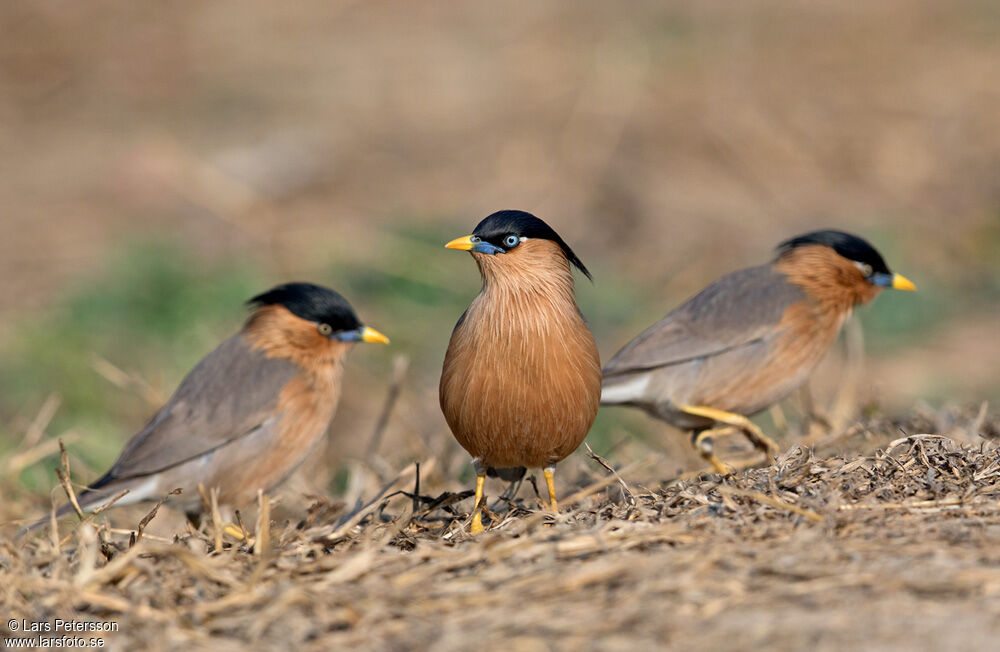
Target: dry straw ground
{"points": [[893, 548], [294, 139]]}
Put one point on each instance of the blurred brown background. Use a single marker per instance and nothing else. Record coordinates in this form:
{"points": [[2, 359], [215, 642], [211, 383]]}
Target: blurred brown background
{"points": [[162, 162]]}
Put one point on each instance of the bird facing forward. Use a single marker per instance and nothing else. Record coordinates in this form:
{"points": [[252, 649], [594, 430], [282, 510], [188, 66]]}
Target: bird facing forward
{"points": [[250, 412], [521, 380], [748, 339]]}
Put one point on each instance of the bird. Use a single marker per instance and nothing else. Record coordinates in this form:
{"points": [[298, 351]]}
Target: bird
{"points": [[747, 340], [521, 380], [249, 412]]}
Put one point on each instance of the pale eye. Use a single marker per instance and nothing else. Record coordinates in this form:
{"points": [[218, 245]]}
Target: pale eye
{"points": [[511, 241], [325, 329], [866, 269]]}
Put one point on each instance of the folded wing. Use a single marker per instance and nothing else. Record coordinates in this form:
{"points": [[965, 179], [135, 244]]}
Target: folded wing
{"points": [[231, 393], [737, 311]]}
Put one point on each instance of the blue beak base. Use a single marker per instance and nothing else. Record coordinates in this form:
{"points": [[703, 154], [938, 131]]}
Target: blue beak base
{"points": [[487, 248], [348, 336], [881, 280]]}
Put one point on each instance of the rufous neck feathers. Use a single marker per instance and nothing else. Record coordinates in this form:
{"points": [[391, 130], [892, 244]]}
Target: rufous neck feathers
{"points": [[280, 334], [828, 278], [535, 268]]}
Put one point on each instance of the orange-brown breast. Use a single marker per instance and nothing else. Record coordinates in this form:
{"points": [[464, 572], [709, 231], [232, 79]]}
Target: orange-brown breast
{"points": [[304, 411], [765, 378], [521, 380]]}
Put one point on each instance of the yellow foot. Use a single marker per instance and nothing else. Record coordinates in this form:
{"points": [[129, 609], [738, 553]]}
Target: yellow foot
{"points": [[717, 465], [238, 533], [704, 442], [731, 467], [550, 481], [476, 527], [753, 433]]}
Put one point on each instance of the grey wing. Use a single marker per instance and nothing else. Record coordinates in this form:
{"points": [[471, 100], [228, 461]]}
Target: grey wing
{"points": [[231, 393], [739, 310]]}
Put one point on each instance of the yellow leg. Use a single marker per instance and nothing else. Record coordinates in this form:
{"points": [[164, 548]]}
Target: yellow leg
{"points": [[703, 442], [477, 517], [550, 480], [235, 531], [753, 433]]}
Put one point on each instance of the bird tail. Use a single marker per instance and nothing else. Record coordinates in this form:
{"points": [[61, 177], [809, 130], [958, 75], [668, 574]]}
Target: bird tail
{"points": [[623, 389], [88, 499]]}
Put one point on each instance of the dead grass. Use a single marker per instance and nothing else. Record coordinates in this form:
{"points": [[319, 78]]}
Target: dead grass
{"points": [[889, 549]]}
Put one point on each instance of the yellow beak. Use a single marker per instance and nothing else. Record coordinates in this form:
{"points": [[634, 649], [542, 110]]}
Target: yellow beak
{"points": [[464, 243], [372, 335], [900, 282]]}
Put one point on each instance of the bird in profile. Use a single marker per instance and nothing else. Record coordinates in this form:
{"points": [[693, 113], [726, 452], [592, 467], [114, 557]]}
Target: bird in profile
{"points": [[521, 380], [748, 339], [250, 412]]}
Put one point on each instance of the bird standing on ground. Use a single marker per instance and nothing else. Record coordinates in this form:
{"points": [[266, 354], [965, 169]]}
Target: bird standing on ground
{"points": [[250, 412], [748, 339], [522, 376]]}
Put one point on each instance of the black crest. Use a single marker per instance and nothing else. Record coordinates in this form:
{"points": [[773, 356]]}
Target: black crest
{"points": [[849, 246], [496, 227], [312, 303]]}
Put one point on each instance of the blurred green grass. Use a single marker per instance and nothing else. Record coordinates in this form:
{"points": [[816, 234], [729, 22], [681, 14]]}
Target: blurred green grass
{"points": [[153, 312]]}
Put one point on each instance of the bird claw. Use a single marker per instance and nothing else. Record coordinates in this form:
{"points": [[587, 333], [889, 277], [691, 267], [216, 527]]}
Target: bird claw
{"points": [[476, 527], [238, 533], [705, 443], [718, 465]]}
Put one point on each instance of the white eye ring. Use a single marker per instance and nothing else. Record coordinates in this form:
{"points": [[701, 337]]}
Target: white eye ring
{"points": [[512, 241], [865, 268], [325, 329]]}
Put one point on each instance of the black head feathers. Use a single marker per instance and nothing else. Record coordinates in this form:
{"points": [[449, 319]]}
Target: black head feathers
{"points": [[496, 227], [311, 302], [849, 246]]}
